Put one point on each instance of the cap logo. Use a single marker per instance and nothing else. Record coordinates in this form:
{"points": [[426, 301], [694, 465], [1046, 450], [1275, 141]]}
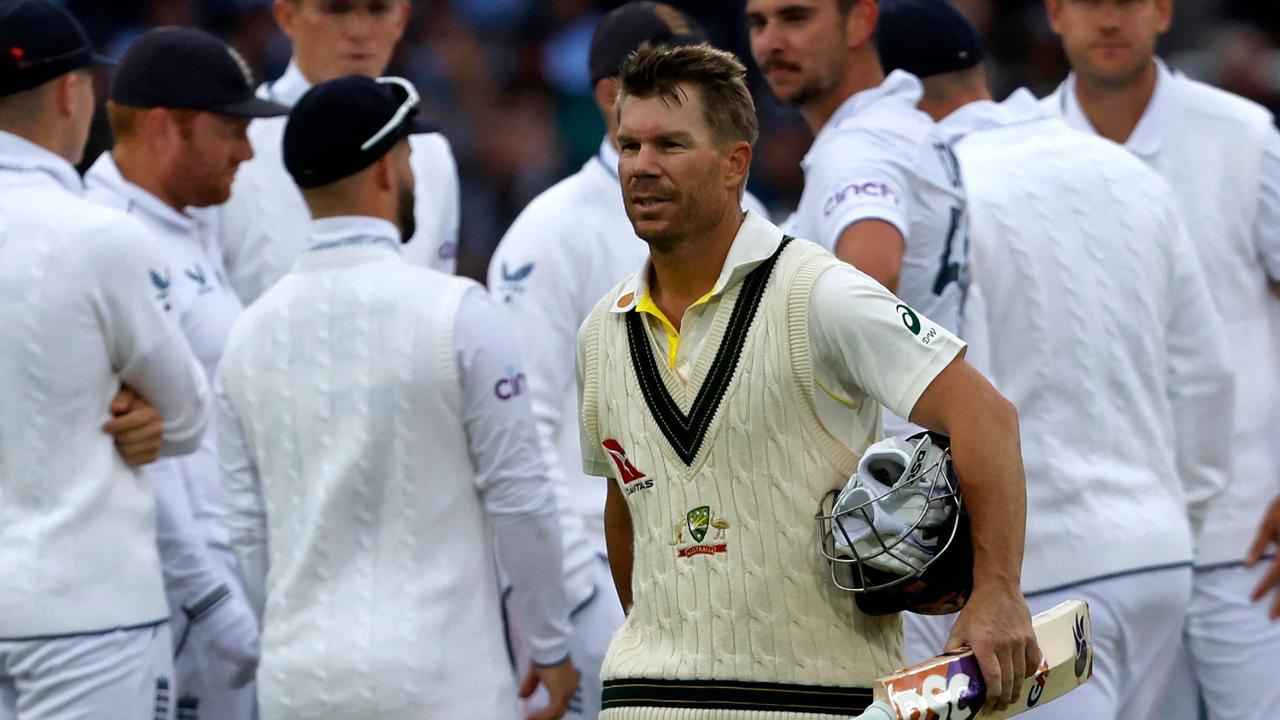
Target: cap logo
{"points": [[17, 53], [675, 22], [243, 65]]}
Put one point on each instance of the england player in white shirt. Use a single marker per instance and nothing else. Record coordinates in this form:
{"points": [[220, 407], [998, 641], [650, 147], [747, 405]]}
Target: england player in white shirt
{"points": [[1096, 321], [880, 190], [378, 452], [1221, 154], [180, 104], [83, 621], [266, 221], [566, 250]]}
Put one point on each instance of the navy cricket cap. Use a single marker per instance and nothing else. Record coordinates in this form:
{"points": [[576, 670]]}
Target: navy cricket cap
{"points": [[40, 41], [626, 28], [341, 127], [926, 37], [176, 67]]}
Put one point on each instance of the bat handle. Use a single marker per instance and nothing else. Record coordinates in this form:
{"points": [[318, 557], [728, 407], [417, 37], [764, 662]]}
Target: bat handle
{"points": [[878, 711]]}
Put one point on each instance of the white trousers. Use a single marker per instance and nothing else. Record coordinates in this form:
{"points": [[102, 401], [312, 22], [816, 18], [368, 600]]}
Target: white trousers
{"points": [[593, 626], [1230, 659], [202, 678], [1137, 622], [115, 675]]}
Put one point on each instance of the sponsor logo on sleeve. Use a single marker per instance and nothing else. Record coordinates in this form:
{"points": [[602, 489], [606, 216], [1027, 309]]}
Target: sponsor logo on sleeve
{"points": [[513, 281], [511, 386], [860, 190], [699, 522], [912, 322]]}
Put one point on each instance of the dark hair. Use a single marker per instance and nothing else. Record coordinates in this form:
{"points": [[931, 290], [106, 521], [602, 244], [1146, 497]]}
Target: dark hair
{"points": [[726, 102]]}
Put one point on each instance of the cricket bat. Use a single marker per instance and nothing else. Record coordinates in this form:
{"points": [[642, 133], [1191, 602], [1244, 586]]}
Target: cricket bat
{"points": [[950, 687]]}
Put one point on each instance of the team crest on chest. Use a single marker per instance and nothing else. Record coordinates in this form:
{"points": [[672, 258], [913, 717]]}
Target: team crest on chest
{"points": [[698, 523]]}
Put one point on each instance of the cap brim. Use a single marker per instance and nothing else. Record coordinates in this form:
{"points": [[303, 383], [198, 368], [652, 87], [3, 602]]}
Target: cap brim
{"points": [[103, 60], [418, 126], [254, 107]]}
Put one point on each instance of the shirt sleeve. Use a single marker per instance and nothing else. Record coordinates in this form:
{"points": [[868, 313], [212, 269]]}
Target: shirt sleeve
{"points": [[246, 517], [192, 579], [147, 348], [859, 181], [867, 342], [509, 474], [532, 281], [1199, 376], [594, 462], [1267, 226], [436, 204]]}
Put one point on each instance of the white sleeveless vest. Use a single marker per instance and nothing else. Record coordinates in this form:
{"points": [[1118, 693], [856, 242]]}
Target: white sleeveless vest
{"points": [[735, 615]]}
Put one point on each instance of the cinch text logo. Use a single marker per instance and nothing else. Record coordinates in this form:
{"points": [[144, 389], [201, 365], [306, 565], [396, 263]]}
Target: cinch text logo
{"points": [[859, 189], [510, 386]]}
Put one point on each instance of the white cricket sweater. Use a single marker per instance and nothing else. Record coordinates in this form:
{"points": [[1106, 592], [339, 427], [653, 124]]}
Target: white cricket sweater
{"points": [[1209, 145], [79, 315], [1101, 330]]}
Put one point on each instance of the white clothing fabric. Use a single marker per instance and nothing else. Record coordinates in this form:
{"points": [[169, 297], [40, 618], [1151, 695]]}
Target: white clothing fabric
{"points": [[375, 449], [567, 248], [1221, 154], [879, 158], [116, 675], [1136, 621], [80, 315], [267, 222], [859, 336], [1233, 649], [1092, 291]]}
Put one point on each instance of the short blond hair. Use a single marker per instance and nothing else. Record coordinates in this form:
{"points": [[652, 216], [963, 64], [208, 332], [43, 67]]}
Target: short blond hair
{"points": [[727, 106], [126, 120]]}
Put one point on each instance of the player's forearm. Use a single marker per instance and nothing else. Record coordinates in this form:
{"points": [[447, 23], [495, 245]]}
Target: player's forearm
{"points": [[528, 549], [619, 540], [987, 454]]}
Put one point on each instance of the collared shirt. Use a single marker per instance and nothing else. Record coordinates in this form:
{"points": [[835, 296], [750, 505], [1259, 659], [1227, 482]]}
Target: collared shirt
{"points": [[191, 502], [1148, 136], [879, 158], [80, 314], [863, 356], [267, 222], [414, 454], [565, 250]]}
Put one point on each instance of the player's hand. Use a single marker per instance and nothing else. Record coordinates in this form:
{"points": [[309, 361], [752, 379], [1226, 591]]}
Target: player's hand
{"points": [[1268, 536], [136, 427], [996, 624], [561, 682]]}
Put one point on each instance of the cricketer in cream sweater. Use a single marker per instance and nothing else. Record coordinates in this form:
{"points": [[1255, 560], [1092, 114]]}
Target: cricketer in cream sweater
{"points": [[723, 428]]}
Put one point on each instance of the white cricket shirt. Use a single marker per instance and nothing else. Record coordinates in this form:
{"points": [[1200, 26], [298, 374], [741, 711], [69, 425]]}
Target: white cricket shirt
{"points": [[376, 443], [82, 310], [205, 306], [869, 349], [1221, 154], [267, 222], [560, 256], [1100, 328]]}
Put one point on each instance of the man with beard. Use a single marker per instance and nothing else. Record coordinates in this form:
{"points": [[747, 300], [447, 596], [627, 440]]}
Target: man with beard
{"points": [[567, 248], [1221, 155], [180, 103], [881, 190], [698, 376], [266, 220], [376, 444]]}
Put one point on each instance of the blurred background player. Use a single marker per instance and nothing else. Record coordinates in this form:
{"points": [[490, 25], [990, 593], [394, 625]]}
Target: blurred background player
{"points": [[568, 247], [1221, 154], [267, 221], [745, 619], [180, 103], [880, 190], [1085, 283], [377, 454], [83, 622]]}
